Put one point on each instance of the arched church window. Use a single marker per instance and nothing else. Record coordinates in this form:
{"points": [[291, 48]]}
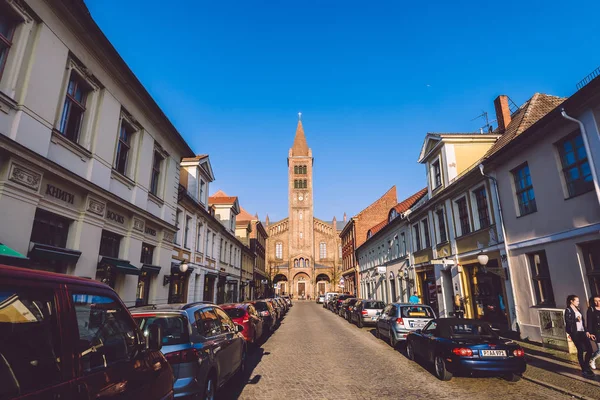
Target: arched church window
{"points": [[279, 250], [302, 264], [307, 263], [295, 263], [304, 184], [295, 169], [322, 250], [304, 169], [295, 183]]}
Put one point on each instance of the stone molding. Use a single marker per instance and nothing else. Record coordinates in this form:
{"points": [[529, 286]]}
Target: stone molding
{"points": [[25, 177]]}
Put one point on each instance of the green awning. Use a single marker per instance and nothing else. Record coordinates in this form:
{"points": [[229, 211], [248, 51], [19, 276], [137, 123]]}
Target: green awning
{"points": [[8, 252], [44, 252], [151, 269], [122, 266], [12, 257]]}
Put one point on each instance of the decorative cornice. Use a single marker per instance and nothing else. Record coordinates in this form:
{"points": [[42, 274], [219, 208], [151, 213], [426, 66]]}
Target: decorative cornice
{"points": [[138, 224], [168, 236], [25, 177], [96, 207]]}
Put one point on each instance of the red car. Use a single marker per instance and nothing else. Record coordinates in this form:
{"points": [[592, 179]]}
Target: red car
{"points": [[247, 316]]}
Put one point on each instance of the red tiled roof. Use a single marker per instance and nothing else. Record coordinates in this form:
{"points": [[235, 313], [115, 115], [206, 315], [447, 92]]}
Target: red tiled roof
{"points": [[409, 202], [378, 227], [197, 158], [221, 200], [244, 216], [528, 114]]}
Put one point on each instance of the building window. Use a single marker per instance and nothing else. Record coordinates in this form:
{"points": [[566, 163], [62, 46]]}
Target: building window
{"points": [[482, 207], [576, 168], [279, 250], [147, 254], [591, 258], [417, 237], [74, 107], [295, 183], [206, 247], [230, 252], [199, 241], [186, 243], [436, 174], [213, 244], [300, 215], [222, 251], [540, 276], [304, 184], [304, 169], [295, 169], [7, 30], [154, 181], [441, 226], [397, 246], [123, 147], [524, 190], [403, 240], [340, 252], [177, 224], [426, 232], [50, 229], [110, 244], [202, 184], [463, 216], [322, 250]]}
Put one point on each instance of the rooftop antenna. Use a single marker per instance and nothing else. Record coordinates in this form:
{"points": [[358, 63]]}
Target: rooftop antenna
{"points": [[487, 127]]}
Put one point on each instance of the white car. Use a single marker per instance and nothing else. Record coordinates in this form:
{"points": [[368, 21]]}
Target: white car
{"points": [[321, 299]]}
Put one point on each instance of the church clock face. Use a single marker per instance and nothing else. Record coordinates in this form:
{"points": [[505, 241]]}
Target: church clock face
{"points": [[300, 198]]}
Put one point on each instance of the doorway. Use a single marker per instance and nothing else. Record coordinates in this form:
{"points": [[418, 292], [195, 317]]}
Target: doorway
{"points": [[488, 294], [301, 290]]}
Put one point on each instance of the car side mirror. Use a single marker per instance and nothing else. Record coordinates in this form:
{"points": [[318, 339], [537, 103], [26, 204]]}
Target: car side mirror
{"points": [[153, 337], [239, 328]]}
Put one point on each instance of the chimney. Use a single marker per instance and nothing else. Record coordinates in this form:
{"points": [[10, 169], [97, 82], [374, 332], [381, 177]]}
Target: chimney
{"points": [[502, 111], [345, 218]]}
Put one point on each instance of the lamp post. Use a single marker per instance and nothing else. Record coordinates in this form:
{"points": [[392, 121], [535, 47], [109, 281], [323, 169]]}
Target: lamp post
{"points": [[483, 260]]}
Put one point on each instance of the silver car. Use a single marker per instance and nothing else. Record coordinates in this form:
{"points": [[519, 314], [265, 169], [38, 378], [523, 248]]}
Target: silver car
{"points": [[366, 312], [398, 319], [200, 341]]}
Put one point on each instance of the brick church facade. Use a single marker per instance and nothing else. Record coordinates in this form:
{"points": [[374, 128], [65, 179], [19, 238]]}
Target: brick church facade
{"points": [[304, 252]]}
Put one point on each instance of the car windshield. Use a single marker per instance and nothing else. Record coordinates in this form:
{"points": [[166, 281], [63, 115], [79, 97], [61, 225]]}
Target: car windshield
{"points": [[173, 328], [235, 312], [374, 305], [416, 312], [470, 330], [261, 306]]}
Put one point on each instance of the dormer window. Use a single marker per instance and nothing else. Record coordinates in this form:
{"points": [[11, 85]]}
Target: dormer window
{"points": [[436, 174], [393, 215]]}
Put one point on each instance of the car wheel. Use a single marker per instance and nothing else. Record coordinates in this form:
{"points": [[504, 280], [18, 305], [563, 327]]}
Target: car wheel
{"points": [[512, 377], [410, 352], [441, 372], [393, 340], [209, 388]]}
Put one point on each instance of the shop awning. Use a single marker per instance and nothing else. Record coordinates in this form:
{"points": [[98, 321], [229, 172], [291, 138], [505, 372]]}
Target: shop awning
{"points": [[44, 252], [151, 269], [12, 257], [122, 266], [211, 273]]}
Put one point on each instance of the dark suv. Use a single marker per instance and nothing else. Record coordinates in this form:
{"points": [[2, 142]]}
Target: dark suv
{"points": [[201, 343], [338, 302], [72, 338]]}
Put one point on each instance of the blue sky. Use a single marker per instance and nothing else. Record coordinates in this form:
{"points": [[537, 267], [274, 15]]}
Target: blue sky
{"points": [[370, 78]]}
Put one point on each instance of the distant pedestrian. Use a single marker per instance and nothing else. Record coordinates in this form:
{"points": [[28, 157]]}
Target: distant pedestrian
{"points": [[575, 327], [593, 323], [414, 299]]}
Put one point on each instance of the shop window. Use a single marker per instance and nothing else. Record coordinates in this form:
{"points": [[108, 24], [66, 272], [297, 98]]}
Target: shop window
{"points": [[50, 229], [107, 336], [441, 226], [540, 277], [110, 244], [524, 190], [30, 347], [591, 257], [147, 254], [74, 107], [156, 167], [482, 207], [576, 168], [143, 289], [463, 216]]}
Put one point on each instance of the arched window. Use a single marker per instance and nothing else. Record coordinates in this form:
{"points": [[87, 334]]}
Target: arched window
{"points": [[279, 250], [307, 263], [340, 251], [304, 169], [322, 250], [295, 263], [295, 183], [302, 264], [304, 183]]}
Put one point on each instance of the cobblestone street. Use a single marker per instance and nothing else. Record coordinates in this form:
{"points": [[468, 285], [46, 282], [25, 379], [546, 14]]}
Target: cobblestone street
{"points": [[318, 355]]}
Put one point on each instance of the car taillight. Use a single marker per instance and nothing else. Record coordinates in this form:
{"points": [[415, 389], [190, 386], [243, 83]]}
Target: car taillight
{"points": [[463, 352], [245, 320], [519, 353], [183, 356], [364, 312], [264, 313], [399, 321]]}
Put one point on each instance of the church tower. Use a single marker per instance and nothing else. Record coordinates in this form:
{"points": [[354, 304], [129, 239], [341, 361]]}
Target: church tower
{"points": [[300, 203]]}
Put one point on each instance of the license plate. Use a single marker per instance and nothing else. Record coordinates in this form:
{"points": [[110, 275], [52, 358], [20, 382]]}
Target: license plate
{"points": [[493, 353], [416, 325], [373, 318]]}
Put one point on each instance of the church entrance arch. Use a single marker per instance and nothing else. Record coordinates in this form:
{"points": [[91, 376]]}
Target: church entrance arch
{"points": [[280, 284], [323, 284], [303, 286]]}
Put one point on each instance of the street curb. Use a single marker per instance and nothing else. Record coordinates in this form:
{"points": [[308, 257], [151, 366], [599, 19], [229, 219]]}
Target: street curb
{"points": [[557, 389]]}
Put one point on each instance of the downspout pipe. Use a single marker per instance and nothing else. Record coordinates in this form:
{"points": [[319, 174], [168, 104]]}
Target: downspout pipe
{"points": [[505, 240], [587, 150]]}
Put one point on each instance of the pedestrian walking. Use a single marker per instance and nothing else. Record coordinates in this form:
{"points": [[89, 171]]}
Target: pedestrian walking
{"points": [[593, 323], [414, 299], [575, 327]]}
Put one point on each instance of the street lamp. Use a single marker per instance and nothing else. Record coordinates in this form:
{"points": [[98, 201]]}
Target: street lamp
{"points": [[183, 267], [483, 260]]}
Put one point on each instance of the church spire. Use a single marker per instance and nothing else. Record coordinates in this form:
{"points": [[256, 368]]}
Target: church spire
{"points": [[300, 147]]}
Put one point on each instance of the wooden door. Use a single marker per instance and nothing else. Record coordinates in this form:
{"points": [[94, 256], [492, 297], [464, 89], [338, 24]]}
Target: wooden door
{"points": [[301, 289]]}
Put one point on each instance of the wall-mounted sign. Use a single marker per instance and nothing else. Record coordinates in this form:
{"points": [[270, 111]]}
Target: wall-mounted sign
{"points": [[59, 194], [113, 216]]}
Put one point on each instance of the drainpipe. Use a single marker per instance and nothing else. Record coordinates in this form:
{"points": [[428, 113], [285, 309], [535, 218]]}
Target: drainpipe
{"points": [[505, 239], [587, 149]]}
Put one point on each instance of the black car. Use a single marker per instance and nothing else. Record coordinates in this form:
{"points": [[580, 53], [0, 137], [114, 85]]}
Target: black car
{"points": [[267, 313], [346, 308], [338, 302], [331, 302], [456, 345]]}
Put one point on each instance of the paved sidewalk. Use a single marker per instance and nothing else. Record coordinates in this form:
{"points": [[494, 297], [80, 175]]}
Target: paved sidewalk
{"points": [[560, 371]]}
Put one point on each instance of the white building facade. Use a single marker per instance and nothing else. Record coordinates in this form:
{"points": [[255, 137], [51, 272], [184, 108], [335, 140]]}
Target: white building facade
{"points": [[89, 164]]}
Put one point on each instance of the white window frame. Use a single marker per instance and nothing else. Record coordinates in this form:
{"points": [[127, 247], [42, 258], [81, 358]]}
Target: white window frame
{"points": [[279, 250], [134, 143], [322, 251], [438, 234], [199, 238], [457, 225], [476, 225], [178, 223]]}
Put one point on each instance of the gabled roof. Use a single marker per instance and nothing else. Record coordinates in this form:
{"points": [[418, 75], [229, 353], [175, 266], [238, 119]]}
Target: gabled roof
{"points": [[404, 205], [300, 147], [433, 139], [203, 162], [196, 158], [220, 197], [244, 216], [529, 113], [376, 202]]}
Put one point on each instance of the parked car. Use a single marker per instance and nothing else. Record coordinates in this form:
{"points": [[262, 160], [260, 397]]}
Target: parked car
{"points": [[340, 299], [278, 311], [457, 345], [73, 338], [288, 300], [366, 312], [267, 313], [346, 308], [200, 341], [397, 320], [283, 304], [328, 297], [332, 301], [320, 299], [246, 316]]}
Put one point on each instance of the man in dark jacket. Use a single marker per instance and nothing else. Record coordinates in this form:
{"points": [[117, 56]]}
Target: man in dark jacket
{"points": [[575, 327], [593, 323]]}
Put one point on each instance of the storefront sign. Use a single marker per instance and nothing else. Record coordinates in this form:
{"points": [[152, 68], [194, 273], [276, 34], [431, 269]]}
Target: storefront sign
{"points": [[115, 217], [150, 231], [59, 194]]}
